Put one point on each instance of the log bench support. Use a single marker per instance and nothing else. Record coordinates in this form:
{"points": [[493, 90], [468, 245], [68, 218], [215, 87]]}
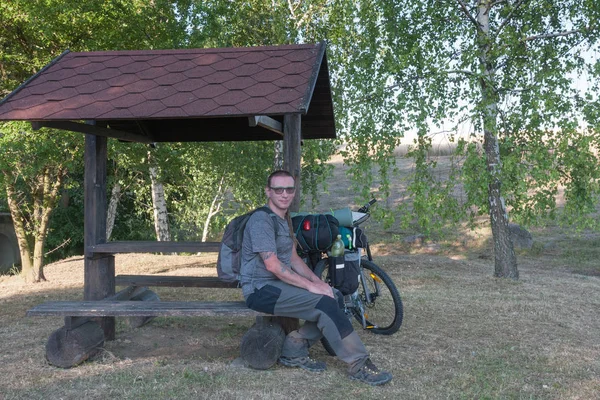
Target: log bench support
{"points": [[261, 346], [82, 335], [74, 343]]}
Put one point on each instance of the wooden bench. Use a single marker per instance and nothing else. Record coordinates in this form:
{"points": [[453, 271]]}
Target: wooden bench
{"points": [[174, 281], [127, 308], [81, 337]]}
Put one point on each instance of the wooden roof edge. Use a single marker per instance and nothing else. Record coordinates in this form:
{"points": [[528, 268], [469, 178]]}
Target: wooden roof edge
{"points": [[22, 85], [90, 127], [313, 77]]}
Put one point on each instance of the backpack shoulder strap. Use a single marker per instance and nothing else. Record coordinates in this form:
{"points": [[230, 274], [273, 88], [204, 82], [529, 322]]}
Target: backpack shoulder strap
{"points": [[273, 217]]}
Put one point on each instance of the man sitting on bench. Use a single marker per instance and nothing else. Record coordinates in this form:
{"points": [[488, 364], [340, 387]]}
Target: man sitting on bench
{"points": [[276, 281]]}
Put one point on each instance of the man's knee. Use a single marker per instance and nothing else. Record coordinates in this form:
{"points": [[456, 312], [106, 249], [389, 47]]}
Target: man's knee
{"points": [[330, 307]]}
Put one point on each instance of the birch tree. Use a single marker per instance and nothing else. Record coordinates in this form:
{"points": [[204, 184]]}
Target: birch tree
{"points": [[506, 68], [159, 202], [33, 166]]}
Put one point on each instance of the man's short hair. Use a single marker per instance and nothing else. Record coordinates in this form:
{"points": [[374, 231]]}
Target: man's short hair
{"points": [[279, 172]]}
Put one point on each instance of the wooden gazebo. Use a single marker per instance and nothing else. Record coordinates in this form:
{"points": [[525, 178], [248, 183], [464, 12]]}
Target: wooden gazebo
{"points": [[188, 95]]}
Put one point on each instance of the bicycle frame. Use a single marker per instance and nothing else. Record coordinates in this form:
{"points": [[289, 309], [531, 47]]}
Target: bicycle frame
{"points": [[376, 304]]}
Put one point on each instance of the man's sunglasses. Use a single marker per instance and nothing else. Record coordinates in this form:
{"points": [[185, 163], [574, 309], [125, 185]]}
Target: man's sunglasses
{"points": [[279, 190]]}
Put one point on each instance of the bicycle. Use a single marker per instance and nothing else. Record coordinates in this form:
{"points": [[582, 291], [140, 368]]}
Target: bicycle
{"points": [[376, 304]]}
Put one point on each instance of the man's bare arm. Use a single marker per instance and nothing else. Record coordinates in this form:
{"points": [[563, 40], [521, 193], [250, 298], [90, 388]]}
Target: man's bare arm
{"points": [[300, 267], [270, 258]]}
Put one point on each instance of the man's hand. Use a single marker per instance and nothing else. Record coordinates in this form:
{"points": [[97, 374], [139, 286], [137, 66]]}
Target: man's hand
{"points": [[322, 288], [298, 274]]}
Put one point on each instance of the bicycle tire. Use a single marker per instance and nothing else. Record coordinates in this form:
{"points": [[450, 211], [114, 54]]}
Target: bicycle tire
{"points": [[385, 314]]}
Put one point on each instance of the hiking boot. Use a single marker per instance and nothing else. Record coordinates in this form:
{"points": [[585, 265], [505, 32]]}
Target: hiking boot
{"points": [[371, 375], [306, 363]]}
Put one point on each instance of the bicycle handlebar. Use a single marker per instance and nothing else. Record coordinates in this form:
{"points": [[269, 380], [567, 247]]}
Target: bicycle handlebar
{"points": [[366, 207]]}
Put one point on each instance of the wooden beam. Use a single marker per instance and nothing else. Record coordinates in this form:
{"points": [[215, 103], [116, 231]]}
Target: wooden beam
{"points": [[99, 272], [292, 138], [292, 152], [93, 130], [142, 308], [152, 246], [125, 294], [174, 281], [267, 123]]}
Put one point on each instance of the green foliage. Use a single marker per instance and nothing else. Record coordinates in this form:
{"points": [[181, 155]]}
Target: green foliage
{"points": [[397, 67], [32, 32], [315, 169], [65, 233], [217, 174], [434, 203], [29, 160], [407, 66]]}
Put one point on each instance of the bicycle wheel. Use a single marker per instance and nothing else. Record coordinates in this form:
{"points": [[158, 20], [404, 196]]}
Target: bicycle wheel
{"points": [[383, 310]]}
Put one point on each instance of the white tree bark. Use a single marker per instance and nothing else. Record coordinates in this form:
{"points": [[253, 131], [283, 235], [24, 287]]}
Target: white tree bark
{"points": [[505, 259], [214, 209], [111, 214], [278, 160], [159, 204]]}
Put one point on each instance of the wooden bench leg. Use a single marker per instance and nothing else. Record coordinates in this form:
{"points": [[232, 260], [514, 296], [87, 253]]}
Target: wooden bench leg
{"points": [[146, 295], [74, 343], [261, 346]]}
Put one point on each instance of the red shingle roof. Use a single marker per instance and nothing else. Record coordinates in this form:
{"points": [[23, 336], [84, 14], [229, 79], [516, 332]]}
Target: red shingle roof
{"points": [[117, 88]]}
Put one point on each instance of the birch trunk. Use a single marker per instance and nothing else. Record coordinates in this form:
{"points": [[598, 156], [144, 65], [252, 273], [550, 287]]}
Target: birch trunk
{"points": [[159, 204], [505, 260], [111, 213], [215, 207], [278, 159]]}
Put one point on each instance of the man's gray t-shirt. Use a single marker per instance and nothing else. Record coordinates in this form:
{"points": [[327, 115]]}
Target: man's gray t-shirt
{"points": [[259, 237]]}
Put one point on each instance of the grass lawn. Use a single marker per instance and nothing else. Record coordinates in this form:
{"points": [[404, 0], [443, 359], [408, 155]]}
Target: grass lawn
{"points": [[466, 335]]}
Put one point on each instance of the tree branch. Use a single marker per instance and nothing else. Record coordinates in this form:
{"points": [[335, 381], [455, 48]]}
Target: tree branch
{"points": [[468, 14], [552, 35], [293, 8], [66, 242], [459, 71], [508, 18]]}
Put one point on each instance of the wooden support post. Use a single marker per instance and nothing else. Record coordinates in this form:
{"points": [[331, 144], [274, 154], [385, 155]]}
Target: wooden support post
{"points": [[137, 322], [292, 155], [292, 152], [99, 271]]}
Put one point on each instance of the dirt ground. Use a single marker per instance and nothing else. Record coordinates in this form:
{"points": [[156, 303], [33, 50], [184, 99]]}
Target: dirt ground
{"points": [[465, 334]]}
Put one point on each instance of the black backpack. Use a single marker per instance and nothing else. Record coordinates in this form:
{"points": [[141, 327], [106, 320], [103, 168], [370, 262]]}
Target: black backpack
{"points": [[315, 232], [229, 261]]}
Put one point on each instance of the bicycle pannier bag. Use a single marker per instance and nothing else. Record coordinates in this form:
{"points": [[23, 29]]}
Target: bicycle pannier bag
{"points": [[345, 272], [353, 237], [229, 261], [315, 232]]}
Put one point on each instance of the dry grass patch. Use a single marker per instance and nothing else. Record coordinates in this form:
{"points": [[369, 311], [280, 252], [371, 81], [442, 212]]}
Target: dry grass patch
{"points": [[465, 335]]}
